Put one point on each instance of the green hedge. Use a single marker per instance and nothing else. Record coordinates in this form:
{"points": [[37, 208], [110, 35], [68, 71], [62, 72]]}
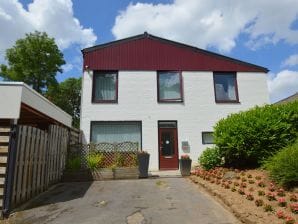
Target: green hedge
{"points": [[283, 167], [247, 138], [210, 158]]}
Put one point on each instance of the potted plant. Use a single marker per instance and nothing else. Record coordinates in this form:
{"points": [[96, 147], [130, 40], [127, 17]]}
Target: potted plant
{"points": [[143, 161], [185, 165]]}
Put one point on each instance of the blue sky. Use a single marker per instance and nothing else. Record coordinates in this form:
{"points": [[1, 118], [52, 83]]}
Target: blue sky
{"points": [[260, 32]]}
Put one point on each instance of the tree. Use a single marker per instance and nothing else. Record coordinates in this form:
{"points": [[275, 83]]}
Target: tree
{"points": [[67, 96], [34, 60]]}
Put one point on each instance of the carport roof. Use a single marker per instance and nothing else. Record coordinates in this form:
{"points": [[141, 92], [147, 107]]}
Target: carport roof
{"points": [[18, 100]]}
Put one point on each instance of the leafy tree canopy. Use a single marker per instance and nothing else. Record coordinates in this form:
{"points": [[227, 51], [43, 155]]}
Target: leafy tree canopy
{"points": [[67, 96], [34, 60]]}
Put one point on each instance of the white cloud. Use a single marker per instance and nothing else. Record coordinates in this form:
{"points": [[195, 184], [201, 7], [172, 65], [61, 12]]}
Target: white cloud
{"points": [[211, 23], [291, 61], [52, 16], [67, 67], [283, 84]]}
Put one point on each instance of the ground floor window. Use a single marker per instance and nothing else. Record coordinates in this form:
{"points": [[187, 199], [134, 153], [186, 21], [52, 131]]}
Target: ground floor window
{"points": [[116, 132], [207, 138]]}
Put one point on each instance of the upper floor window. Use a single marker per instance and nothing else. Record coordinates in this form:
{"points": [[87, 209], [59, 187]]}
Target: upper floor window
{"points": [[169, 86], [225, 86], [105, 87]]}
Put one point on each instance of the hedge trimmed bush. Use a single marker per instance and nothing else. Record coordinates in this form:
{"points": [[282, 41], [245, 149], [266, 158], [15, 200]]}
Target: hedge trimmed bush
{"points": [[247, 138], [210, 158], [283, 167]]}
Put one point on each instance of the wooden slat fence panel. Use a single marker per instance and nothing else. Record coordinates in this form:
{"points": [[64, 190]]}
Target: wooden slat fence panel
{"points": [[40, 161]]}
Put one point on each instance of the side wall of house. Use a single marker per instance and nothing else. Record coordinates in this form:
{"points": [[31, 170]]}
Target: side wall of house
{"points": [[137, 101]]}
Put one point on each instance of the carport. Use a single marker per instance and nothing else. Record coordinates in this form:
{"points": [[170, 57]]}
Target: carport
{"points": [[34, 136]]}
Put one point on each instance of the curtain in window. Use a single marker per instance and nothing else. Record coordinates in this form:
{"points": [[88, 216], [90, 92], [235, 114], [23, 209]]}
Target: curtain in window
{"points": [[105, 87], [225, 87], [116, 132], [169, 86]]}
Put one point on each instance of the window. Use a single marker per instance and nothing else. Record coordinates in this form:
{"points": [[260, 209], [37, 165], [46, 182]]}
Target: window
{"points": [[225, 87], [207, 138], [105, 87], [169, 85], [116, 132]]}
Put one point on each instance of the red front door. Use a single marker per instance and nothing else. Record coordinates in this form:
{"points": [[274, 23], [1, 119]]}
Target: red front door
{"points": [[168, 149]]}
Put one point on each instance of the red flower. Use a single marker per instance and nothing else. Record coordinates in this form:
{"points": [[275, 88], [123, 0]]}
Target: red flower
{"points": [[280, 214]]}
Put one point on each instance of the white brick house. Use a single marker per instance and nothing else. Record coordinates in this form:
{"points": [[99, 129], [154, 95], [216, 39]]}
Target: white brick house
{"points": [[164, 95]]}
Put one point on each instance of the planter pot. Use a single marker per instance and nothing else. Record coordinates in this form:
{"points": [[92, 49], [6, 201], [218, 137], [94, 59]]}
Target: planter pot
{"points": [[126, 173], [103, 174], [143, 160], [185, 166]]}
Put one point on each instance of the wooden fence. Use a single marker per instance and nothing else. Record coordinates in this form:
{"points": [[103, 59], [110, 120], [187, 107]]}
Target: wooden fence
{"points": [[39, 161], [4, 144]]}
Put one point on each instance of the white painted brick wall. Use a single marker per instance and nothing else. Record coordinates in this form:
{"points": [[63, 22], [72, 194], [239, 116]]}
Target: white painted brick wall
{"points": [[137, 101]]}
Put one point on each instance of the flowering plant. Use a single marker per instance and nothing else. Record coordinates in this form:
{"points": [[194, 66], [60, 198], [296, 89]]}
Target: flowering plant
{"points": [[241, 191], [258, 177], [259, 202], [294, 208], [251, 181], [261, 184], [249, 197], [282, 202], [268, 208], [280, 214], [271, 196], [185, 156], [243, 184], [293, 197], [281, 192], [289, 220]]}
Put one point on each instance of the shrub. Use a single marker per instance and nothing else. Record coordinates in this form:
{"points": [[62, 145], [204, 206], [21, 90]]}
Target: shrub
{"points": [[210, 158], [283, 166], [94, 161], [73, 164], [119, 160], [247, 138]]}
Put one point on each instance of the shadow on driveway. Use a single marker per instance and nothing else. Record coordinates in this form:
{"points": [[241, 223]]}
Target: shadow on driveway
{"points": [[61, 192]]}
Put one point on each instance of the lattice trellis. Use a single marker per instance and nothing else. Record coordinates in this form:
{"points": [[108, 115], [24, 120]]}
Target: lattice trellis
{"points": [[122, 154]]}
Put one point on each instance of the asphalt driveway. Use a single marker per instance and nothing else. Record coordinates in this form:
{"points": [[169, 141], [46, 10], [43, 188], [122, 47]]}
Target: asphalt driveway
{"points": [[160, 201]]}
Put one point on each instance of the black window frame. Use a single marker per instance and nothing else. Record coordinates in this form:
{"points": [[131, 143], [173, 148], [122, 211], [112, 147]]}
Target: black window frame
{"points": [[235, 83], [203, 141], [101, 73]]}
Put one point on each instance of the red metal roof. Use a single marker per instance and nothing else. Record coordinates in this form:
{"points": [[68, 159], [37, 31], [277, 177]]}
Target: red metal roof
{"points": [[148, 52]]}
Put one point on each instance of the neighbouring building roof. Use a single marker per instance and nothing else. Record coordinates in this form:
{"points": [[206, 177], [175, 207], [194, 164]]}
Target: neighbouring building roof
{"points": [[19, 101], [148, 52], [291, 98]]}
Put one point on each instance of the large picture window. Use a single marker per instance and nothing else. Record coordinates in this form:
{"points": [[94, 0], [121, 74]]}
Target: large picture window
{"points": [[116, 132], [225, 86], [169, 86], [105, 87]]}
